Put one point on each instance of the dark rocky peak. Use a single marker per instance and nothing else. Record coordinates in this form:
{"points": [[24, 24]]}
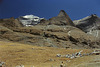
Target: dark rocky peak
{"points": [[94, 16], [89, 24], [61, 19], [62, 13], [87, 21]]}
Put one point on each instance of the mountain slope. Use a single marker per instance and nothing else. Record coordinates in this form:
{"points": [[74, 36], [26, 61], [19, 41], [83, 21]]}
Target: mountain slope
{"points": [[14, 54], [90, 25], [56, 32], [61, 20]]}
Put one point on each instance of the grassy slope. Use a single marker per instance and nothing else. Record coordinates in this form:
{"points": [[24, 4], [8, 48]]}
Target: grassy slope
{"points": [[28, 55]]}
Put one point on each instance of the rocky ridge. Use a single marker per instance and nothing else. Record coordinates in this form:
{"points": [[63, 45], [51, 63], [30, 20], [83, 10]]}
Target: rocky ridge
{"points": [[90, 25], [59, 31]]}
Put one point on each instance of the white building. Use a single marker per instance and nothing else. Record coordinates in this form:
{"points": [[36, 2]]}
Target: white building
{"points": [[29, 20]]}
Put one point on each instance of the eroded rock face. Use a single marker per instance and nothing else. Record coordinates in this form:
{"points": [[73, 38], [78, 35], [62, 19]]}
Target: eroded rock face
{"points": [[44, 22], [57, 32], [10, 23], [61, 20], [89, 24], [55, 36]]}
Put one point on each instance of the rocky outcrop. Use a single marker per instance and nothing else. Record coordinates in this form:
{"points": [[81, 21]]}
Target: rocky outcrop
{"points": [[10, 23], [56, 32], [89, 24], [43, 22], [61, 20], [70, 37]]}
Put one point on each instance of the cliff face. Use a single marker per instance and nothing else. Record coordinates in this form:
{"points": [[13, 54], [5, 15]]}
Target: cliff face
{"points": [[61, 20], [56, 32], [10, 23], [90, 25]]}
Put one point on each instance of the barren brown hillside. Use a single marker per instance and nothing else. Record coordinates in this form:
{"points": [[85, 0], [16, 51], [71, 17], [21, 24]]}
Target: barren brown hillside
{"points": [[58, 31], [15, 54]]}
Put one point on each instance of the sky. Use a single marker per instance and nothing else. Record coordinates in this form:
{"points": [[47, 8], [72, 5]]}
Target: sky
{"points": [[76, 9]]}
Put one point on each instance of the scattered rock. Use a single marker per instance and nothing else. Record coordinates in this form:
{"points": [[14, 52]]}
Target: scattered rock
{"points": [[58, 55]]}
